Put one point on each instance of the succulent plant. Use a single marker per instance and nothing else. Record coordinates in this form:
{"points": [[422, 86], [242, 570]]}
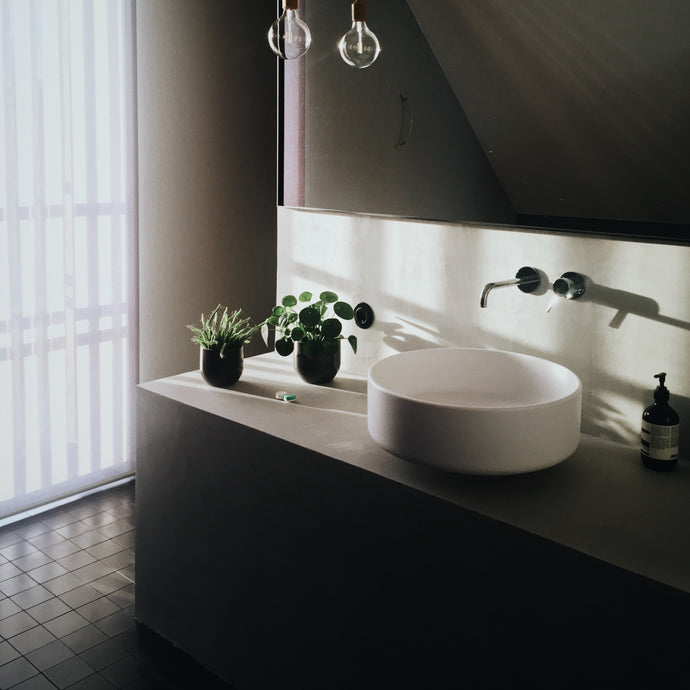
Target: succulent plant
{"points": [[223, 330]]}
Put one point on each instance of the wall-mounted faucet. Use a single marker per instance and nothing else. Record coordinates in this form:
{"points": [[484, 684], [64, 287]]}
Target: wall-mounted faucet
{"points": [[570, 285], [527, 279]]}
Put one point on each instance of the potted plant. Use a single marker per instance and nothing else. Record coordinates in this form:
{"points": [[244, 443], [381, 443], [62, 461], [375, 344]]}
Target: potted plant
{"points": [[309, 329], [221, 337]]}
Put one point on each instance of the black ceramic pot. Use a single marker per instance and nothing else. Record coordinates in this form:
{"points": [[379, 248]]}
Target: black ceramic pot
{"points": [[317, 366], [222, 371]]}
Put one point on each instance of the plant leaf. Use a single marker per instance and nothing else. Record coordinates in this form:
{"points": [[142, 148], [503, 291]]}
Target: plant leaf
{"points": [[328, 297], [331, 328], [264, 332], [297, 333], [277, 311], [352, 339], [284, 347], [305, 297], [289, 301], [343, 310], [309, 317]]}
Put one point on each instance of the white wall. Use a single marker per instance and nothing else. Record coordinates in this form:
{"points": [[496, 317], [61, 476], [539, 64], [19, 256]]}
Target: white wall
{"points": [[424, 280], [207, 148]]}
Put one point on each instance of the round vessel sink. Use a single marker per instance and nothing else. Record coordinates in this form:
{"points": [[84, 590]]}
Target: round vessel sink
{"points": [[474, 411]]}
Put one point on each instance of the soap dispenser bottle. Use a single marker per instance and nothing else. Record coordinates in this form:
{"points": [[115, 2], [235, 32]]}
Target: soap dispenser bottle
{"points": [[660, 431]]}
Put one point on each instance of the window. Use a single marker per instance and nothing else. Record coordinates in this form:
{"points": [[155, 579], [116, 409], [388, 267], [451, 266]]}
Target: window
{"points": [[67, 248]]}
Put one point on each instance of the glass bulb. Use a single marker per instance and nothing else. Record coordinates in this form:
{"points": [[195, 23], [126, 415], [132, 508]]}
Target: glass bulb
{"points": [[289, 37], [359, 47]]}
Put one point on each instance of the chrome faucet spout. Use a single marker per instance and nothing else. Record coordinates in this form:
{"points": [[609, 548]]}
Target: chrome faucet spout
{"points": [[527, 279], [490, 286]]}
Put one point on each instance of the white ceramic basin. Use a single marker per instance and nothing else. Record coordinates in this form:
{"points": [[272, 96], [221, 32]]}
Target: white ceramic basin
{"points": [[474, 411]]}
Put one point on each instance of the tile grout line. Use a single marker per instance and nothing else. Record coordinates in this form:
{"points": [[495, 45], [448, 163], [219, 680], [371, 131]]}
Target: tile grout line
{"points": [[35, 537]]}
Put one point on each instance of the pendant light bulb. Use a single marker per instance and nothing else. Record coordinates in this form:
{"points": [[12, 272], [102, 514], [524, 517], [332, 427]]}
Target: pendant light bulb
{"points": [[359, 47], [289, 37]]}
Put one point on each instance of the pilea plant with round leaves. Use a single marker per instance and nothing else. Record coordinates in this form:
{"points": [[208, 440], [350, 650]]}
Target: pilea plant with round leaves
{"points": [[299, 320]]}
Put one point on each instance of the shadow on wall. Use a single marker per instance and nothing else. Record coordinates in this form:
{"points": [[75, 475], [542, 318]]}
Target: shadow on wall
{"points": [[609, 422], [625, 303], [397, 338], [424, 283], [609, 402]]}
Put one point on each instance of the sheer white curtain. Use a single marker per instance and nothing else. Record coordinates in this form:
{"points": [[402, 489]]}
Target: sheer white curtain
{"points": [[67, 247]]}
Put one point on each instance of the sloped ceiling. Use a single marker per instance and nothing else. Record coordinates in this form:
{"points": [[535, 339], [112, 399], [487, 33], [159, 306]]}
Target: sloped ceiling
{"points": [[582, 106]]}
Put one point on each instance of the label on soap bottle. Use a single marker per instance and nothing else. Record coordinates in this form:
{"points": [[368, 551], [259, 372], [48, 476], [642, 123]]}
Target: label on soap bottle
{"points": [[660, 442]]}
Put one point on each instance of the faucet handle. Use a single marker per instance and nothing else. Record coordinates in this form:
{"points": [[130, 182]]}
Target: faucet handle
{"points": [[570, 285], [530, 280]]}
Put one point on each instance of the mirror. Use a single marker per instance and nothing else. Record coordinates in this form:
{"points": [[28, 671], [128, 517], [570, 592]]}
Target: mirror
{"points": [[543, 113]]}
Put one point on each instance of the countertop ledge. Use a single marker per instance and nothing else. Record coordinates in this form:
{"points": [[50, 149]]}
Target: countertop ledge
{"points": [[601, 501]]}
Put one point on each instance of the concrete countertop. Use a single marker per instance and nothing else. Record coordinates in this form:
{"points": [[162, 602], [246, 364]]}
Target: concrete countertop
{"points": [[601, 501]]}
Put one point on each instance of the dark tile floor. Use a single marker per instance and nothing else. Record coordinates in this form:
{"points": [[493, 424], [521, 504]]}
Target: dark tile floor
{"points": [[67, 605]]}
